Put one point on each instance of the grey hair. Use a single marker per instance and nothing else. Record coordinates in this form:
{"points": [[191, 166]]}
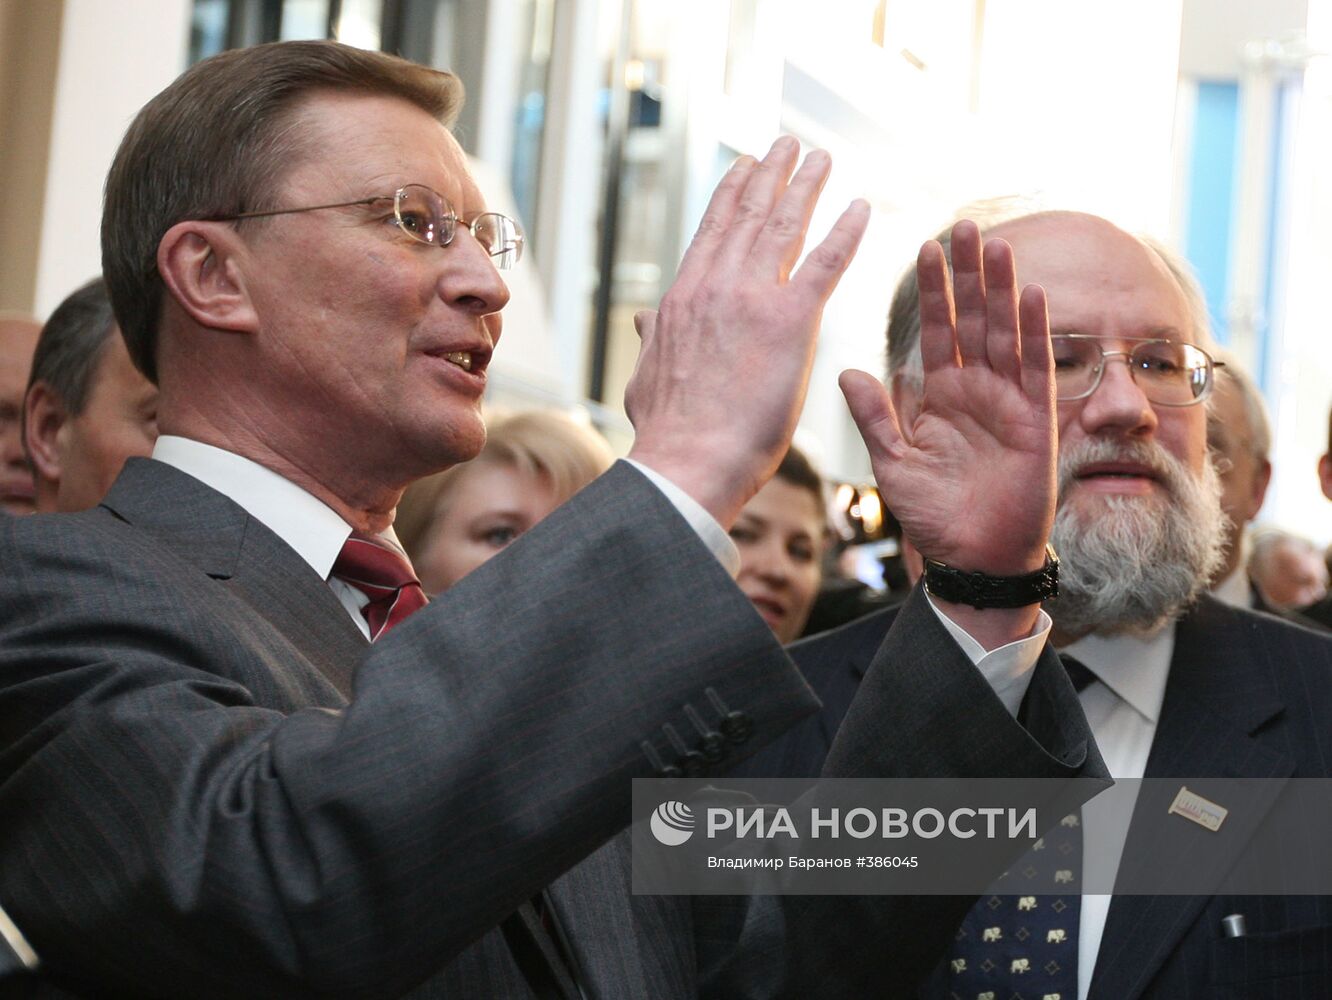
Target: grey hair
{"points": [[1271, 541], [903, 333], [1255, 408]]}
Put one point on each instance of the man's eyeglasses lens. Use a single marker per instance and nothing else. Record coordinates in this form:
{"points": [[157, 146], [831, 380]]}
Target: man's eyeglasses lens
{"points": [[426, 217], [1168, 373]]}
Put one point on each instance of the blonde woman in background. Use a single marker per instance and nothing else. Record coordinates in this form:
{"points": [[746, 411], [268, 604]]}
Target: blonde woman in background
{"points": [[452, 522]]}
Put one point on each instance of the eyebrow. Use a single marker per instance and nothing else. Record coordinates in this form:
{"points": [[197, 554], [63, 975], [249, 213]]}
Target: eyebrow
{"points": [[1151, 333]]}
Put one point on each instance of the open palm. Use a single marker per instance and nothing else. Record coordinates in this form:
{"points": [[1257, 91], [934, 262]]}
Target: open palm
{"points": [[972, 478]]}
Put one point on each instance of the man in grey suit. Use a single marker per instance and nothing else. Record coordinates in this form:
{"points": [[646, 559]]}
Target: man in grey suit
{"points": [[231, 764]]}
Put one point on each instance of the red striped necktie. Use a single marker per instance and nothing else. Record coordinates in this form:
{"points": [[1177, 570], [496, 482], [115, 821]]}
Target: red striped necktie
{"points": [[383, 575]]}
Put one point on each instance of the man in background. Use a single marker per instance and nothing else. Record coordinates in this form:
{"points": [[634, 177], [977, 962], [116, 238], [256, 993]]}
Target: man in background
{"points": [[87, 407], [1239, 434], [1288, 571], [1322, 611], [18, 339]]}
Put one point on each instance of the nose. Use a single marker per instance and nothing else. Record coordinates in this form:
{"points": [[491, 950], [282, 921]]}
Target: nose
{"points": [[772, 565], [1118, 406], [11, 444], [469, 280]]}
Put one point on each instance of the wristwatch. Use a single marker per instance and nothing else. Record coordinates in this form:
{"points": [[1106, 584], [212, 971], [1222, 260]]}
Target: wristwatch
{"points": [[981, 590]]}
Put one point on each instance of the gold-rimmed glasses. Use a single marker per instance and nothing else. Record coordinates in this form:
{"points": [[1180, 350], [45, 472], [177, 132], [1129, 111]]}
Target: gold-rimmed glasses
{"points": [[427, 217]]}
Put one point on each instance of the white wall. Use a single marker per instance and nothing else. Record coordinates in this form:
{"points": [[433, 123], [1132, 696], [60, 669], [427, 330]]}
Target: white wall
{"points": [[113, 58]]}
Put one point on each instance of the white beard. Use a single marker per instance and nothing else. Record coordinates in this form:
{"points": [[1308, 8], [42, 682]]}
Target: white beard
{"points": [[1137, 561]]}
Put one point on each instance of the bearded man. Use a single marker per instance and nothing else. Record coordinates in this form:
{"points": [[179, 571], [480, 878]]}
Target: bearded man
{"points": [[1173, 683]]}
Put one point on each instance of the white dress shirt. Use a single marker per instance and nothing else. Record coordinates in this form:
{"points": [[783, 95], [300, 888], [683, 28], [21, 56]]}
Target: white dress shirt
{"points": [[317, 533], [1235, 589], [1123, 706]]}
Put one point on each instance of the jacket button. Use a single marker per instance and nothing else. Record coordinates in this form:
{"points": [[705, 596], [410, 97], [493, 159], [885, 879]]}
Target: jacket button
{"points": [[736, 727], [692, 763], [713, 746]]}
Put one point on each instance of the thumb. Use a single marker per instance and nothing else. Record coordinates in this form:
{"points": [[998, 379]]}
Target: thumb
{"points": [[872, 409], [645, 321]]}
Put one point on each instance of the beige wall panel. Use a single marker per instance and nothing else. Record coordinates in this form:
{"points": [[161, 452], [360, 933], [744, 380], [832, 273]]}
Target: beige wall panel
{"points": [[29, 57]]}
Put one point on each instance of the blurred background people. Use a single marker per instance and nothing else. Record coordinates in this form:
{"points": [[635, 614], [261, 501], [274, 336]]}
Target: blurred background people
{"points": [[18, 339], [87, 407], [1240, 437], [1321, 612], [1288, 571], [781, 534], [452, 522]]}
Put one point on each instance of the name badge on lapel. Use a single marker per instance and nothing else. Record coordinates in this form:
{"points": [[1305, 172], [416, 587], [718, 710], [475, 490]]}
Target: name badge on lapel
{"points": [[1193, 806]]}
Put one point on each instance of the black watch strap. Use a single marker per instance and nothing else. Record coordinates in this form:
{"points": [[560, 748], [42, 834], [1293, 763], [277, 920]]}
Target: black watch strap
{"points": [[981, 590]]}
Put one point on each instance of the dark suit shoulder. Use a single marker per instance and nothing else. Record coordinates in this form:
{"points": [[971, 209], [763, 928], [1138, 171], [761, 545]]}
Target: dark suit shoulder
{"points": [[825, 658], [1266, 676], [833, 663], [1288, 647]]}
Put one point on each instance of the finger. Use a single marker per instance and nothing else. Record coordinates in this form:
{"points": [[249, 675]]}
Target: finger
{"points": [[1001, 309], [827, 262], [969, 293], [713, 228], [872, 409], [645, 322], [783, 235], [1037, 358], [766, 183], [938, 346]]}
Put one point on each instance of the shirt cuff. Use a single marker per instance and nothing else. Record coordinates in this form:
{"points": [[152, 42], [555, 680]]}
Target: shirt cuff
{"points": [[713, 535], [1007, 669]]}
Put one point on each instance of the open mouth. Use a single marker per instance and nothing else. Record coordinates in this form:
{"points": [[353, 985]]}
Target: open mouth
{"points": [[463, 359], [770, 609]]}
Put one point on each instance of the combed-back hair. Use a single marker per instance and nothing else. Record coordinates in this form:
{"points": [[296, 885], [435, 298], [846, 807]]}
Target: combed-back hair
{"points": [[72, 342], [218, 141]]}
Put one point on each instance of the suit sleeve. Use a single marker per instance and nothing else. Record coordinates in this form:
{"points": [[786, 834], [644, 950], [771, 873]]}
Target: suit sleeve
{"points": [[923, 710], [164, 830]]}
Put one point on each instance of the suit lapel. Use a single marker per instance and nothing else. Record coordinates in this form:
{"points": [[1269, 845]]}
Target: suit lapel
{"points": [[218, 537], [861, 640], [1219, 693]]}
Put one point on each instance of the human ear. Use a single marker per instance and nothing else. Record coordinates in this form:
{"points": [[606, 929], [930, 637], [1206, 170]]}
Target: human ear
{"points": [[203, 266], [44, 415]]}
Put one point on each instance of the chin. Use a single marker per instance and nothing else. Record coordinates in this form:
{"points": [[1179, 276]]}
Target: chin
{"points": [[438, 447]]}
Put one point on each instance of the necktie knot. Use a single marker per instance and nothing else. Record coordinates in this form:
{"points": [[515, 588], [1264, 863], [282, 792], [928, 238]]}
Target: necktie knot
{"points": [[383, 575]]}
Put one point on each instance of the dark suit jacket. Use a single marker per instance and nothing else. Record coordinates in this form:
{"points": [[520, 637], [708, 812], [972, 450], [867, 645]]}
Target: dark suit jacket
{"points": [[192, 802], [1248, 696]]}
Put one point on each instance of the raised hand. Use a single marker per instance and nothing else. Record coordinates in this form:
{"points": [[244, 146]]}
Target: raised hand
{"points": [[725, 361], [972, 479]]}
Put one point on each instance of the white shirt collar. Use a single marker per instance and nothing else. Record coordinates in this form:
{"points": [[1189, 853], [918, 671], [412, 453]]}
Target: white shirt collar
{"points": [[1134, 667], [1235, 589], [301, 520]]}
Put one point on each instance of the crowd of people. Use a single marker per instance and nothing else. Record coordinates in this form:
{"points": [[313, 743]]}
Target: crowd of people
{"points": [[314, 681]]}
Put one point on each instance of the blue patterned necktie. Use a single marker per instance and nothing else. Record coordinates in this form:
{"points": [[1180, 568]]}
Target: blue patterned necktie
{"points": [[1025, 946]]}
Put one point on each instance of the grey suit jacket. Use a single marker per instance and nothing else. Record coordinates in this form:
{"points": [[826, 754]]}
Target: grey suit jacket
{"points": [[210, 785], [193, 803]]}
